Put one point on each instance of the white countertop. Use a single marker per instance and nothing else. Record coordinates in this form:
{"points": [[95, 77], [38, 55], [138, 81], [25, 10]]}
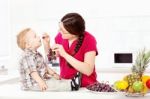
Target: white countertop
{"points": [[12, 91]]}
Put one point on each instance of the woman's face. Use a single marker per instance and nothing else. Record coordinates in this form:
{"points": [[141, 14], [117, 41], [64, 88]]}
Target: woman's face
{"points": [[65, 33]]}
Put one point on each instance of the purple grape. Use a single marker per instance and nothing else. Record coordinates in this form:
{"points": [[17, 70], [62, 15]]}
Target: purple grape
{"points": [[100, 87]]}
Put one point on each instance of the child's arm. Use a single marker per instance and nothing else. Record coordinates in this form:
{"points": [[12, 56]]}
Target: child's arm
{"points": [[38, 79], [53, 73]]}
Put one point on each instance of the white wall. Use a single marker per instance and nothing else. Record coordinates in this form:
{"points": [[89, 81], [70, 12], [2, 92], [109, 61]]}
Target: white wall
{"points": [[5, 38], [118, 25]]}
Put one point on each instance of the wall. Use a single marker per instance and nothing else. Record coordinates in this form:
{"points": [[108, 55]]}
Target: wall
{"points": [[119, 26], [5, 38]]}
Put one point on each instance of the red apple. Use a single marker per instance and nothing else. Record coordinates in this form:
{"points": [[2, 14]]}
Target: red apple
{"points": [[148, 83]]}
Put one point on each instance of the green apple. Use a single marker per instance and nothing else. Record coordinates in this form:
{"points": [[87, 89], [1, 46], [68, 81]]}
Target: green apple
{"points": [[138, 86]]}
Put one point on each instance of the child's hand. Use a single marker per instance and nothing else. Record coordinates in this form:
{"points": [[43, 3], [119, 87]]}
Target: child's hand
{"points": [[46, 76], [56, 76], [43, 85]]}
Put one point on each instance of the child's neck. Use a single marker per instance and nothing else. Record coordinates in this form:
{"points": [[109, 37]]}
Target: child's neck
{"points": [[32, 49]]}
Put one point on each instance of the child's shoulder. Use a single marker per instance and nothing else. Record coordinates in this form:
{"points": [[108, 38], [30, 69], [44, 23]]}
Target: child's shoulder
{"points": [[30, 55], [26, 54]]}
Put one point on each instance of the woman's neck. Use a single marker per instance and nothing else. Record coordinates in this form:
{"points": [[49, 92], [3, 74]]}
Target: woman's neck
{"points": [[72, 40]]}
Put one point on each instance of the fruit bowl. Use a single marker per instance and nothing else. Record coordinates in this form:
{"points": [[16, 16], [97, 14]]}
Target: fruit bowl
{"points": [[137, 89], [129, 94], [136, 83], [134, 94]]}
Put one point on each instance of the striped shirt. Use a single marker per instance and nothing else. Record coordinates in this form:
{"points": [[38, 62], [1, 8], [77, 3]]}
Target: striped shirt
{"points": [[31, 61]]}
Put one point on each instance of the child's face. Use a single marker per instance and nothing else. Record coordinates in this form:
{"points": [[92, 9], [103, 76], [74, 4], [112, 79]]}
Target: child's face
{"points": [[32, 40]]}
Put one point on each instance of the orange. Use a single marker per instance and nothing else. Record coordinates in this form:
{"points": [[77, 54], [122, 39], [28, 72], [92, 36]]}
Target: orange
{"points": [[145, 78]]}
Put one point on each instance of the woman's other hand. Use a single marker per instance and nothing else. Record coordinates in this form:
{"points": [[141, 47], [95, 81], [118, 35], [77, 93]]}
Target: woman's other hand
{"points": [[46, 38], [46, 42]]}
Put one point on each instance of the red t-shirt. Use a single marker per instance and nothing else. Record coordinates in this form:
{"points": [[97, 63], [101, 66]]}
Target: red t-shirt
{"points": [[89, 44]]}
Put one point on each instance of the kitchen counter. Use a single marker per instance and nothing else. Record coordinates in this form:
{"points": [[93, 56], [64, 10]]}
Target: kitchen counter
{"points": [[12, 91]]}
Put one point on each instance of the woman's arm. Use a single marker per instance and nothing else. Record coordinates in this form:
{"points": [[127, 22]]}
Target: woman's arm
{"points": [[85, 67]]}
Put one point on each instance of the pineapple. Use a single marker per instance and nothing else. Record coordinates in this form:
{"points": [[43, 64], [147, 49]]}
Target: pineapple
{"points": [[131, 78], [141, 63]]}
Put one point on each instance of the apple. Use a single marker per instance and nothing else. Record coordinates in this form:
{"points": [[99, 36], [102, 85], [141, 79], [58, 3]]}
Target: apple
{"points": [[148, 83], [138, 86]]}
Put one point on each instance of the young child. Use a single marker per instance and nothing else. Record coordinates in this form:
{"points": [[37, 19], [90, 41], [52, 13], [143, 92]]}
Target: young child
{"points": [[34, 70]]}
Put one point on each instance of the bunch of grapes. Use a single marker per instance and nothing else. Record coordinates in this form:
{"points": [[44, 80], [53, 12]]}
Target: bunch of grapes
{"points": [[51, 56], [100, 87]]}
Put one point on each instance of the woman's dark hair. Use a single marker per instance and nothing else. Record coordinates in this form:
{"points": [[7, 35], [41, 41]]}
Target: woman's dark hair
{"points": [[74, 24]]}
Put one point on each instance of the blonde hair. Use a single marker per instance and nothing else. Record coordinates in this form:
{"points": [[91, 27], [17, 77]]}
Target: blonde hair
{"points": [[21, 38]]}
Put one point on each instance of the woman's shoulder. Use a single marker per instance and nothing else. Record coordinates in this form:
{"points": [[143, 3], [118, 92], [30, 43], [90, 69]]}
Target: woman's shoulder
{"points": [[89, 37], [58, 38]]}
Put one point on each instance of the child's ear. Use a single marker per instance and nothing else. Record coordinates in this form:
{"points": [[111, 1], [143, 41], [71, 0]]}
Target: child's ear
{"points": [[28, 45]]}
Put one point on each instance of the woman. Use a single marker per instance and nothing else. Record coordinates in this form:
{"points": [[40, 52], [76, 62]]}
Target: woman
{"points": [[76, 49]]}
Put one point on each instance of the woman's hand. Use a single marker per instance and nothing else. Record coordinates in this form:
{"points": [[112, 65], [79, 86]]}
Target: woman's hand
{"points": [[46, 42], [59, 49], [46, 38]]}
